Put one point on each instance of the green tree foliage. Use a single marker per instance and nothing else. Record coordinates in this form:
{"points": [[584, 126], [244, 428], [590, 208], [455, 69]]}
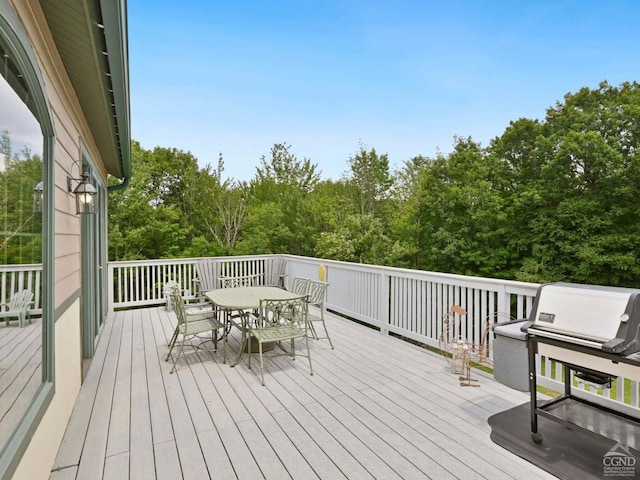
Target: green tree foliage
{"points": [[577, 189], [370, 180], [359, 232], [284, 168], [548, 200], [20, 226], [361, 238], [283, 184], [150, 219], [459, 214]]}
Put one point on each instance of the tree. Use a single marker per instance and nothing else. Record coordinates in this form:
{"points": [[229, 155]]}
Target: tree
{"points": [[284, 183], [150, 218], [460, 211], [20, 226], [369, 175], [406, 224], [587, 192], [284, 168]]}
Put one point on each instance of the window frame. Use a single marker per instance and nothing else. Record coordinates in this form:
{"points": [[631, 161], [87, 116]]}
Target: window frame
{"points": [[16, 38]]}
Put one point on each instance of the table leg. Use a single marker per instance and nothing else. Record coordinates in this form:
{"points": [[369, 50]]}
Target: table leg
{"points": [[243, 343]]}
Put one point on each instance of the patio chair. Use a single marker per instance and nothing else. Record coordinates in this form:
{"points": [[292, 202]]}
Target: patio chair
{"points": [[274, 271], [192, 322], [317, 292], [279, 321], [241, 281], [17, 307], [207, 276], [168, 286], [299, 285]]}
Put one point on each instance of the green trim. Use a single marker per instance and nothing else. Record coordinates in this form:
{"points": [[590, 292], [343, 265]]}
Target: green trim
{"points": [[66, 305], [114, 19], [17, 40], [19, 440]]}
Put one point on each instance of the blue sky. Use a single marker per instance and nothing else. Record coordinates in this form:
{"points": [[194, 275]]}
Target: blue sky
{"points": [[403, 77]]}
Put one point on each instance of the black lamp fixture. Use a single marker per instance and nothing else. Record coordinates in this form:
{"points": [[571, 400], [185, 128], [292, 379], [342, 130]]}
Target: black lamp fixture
{"points": [[85, 194], [38, 192]]}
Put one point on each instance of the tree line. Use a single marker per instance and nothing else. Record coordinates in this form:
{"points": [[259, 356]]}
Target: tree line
{"points": [[20, 223], [548, 200]]}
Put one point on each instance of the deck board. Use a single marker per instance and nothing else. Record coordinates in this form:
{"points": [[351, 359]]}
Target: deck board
{"points": [[376, 407]]}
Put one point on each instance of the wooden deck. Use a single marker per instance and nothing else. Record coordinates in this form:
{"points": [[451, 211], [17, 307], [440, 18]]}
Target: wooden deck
{"points": [[20, 372], [375, 408]]}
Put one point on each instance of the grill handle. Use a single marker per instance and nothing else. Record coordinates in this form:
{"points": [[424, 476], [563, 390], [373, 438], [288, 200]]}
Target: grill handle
{"points": [[616, 345]]}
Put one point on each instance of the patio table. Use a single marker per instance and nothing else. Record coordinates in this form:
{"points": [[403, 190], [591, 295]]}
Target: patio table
{"points": [[242, 299]]}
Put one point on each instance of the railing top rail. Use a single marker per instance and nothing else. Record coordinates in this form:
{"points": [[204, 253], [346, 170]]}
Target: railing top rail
{"points": [[420, 274], [184, 260], [23, 267]]}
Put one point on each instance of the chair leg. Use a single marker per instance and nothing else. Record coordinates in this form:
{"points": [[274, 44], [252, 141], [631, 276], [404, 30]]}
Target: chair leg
{"points": [[312, 329], [173, 369], [172, 342], [306, 340], [224, 349], [261, 362], [326, 332]]}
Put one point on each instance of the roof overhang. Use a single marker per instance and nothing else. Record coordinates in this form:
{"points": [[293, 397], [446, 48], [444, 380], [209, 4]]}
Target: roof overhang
{"points": [[91, 37]]}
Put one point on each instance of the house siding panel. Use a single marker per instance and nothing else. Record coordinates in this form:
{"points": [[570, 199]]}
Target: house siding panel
{"points": [[72, 134]]}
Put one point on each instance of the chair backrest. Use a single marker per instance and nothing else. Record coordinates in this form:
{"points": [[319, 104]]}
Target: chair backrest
{"points": [[21, 300], [317, 292], [177, 301], [300, 285], [277, 312], [207, 272], [274, 269], [243, 281], [170, 285]]}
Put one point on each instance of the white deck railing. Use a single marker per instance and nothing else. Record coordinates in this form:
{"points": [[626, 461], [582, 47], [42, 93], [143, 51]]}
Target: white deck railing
{"points": [[407, 303], [140, 283], [14, 278]]}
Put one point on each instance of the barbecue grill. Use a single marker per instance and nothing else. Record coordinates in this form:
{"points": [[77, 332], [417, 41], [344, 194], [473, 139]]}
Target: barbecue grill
{"points": [[594, 332]]}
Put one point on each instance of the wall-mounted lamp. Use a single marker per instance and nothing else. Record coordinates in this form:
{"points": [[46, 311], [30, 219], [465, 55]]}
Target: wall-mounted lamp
{"points": [[37, 197], [85, 194]]}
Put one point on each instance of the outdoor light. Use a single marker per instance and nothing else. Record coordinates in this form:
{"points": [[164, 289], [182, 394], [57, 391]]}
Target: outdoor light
{"points": [[85, 194], [37, 200]]}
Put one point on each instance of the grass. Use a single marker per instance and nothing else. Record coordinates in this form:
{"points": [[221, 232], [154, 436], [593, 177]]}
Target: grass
{"points": [[628, 388], [615, 385]]}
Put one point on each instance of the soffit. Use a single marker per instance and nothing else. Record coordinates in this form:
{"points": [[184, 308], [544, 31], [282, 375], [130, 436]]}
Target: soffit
{"points": [[91, 37]]}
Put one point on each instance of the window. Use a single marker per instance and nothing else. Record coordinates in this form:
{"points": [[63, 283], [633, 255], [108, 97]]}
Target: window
{"points": [[26, 241]]}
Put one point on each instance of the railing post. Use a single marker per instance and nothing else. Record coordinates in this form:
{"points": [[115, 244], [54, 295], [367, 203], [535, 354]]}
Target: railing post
{"points": [[504, 300], [110, 288], [384, 303]]}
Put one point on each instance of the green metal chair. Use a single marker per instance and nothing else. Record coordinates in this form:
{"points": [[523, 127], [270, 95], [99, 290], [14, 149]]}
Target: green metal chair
{"points": [[300, 285], [317, 292], [241, 281], [17, 307], [279, 321], [192, 322]]}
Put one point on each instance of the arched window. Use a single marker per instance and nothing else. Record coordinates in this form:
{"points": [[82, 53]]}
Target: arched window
{"points": [[26, 241]]}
